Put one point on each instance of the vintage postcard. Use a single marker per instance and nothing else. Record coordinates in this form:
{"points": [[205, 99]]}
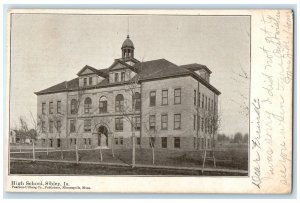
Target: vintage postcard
{"points": [[149, 101]]}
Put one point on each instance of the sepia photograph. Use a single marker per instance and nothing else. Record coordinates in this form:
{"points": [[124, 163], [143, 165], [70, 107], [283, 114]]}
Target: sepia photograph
{"points": [[162, 101]]}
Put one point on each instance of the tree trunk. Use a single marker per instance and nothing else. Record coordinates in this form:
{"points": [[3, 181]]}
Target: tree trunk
{"points": [[153, 158], [76, 149], [101, 158], [112, 146], [33, 151], [133, 150]]}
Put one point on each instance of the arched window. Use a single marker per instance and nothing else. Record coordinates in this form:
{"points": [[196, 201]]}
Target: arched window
{"points": [[103, 105], [73, 106], [87, 105], [119, 103], [136, 101]]}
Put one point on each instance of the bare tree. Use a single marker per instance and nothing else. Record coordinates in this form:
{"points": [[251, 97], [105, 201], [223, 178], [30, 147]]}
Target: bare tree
{"points": [[152, 132]]}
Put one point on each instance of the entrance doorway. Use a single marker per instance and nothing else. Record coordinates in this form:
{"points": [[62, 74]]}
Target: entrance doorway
{"points": [[102, 136]]}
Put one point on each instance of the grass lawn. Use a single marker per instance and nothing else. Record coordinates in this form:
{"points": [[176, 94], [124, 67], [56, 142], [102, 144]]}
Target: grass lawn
{"points": [[27, 167], [230, 158]]}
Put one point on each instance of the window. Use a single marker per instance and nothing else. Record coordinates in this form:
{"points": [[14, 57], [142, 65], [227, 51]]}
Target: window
{"points": [[116, 77], [202, 101], [152, 142], [43, 126], [202, 124], [71, 140], [90, 141], [51, 143], [205, 102], [43, 108], [84, 81], [208, 104], [90, 81], [75, 141], [208, 143], [152, 122], [58, 107], [103, 105], [195, 97], [72, 126], [136, 101], [177, 121], [50, 107], [212, 105], [84, 139], [119, 124], [58, 126], [152, 98], [138, 141], [176, 142], [58, 142], [164, 98], [87, 105], [137, 123], [87, 125], [51, 126], [194, 124], [202, 143], [121, 140], [164, 142], [198, 122], [164, 122], [116, 141], [199, 99], [177, 96], [119, 103], [123, 76], [73, 106], [205, 125], [43, 141], [195, 144]]}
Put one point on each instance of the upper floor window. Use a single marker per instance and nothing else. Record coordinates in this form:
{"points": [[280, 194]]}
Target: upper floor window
{"points": [[208, 104], [137, 122], [152, 98], [205, 102], [50, 107], [122, 76], [119, 103], [152, 122], [136, 101], [84, 81], [119, 124], [199, 99], [164, 99], [90, 80], [73, 106], [87, 125], [43, 108], [202, 124], [164, 122], [43, 126], [103, 105], [202, 101], [195, 97], [58, 107], [177, 121], [72, 126], [87, 105], [51, 126], [58, 126], [177, 96], [116, 77]]}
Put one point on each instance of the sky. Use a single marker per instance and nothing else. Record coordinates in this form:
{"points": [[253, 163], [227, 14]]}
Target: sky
{"points": [[47, 49]]}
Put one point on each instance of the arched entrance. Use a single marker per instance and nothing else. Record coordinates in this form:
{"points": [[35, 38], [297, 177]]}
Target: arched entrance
{"points": [[102, 136]]}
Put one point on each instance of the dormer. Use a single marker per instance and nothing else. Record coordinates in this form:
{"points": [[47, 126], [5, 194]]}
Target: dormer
{"points": [[201, 70], [89, 76], [121, 71]]}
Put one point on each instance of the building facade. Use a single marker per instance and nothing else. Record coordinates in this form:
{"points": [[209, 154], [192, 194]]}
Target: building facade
{"points": [[157, 103]]}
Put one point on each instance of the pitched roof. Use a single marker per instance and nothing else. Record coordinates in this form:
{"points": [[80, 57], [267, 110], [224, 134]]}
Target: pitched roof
{"points": [[196, 66], [149, 70]]}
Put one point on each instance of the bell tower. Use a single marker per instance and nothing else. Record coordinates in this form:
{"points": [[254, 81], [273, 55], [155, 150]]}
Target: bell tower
{"points": [[127, 48]]}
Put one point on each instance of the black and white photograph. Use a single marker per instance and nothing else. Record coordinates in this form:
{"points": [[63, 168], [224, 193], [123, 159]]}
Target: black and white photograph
{"points": [[132, 95]]}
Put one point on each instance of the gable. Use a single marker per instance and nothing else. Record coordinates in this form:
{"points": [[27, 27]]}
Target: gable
{"points": [[87, 70], [117, 66]]}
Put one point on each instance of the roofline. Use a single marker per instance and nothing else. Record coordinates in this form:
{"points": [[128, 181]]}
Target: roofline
{"points": [[192, 74]]}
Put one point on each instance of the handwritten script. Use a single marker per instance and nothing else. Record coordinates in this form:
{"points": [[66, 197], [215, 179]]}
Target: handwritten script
{"points": [[269, 144]]}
